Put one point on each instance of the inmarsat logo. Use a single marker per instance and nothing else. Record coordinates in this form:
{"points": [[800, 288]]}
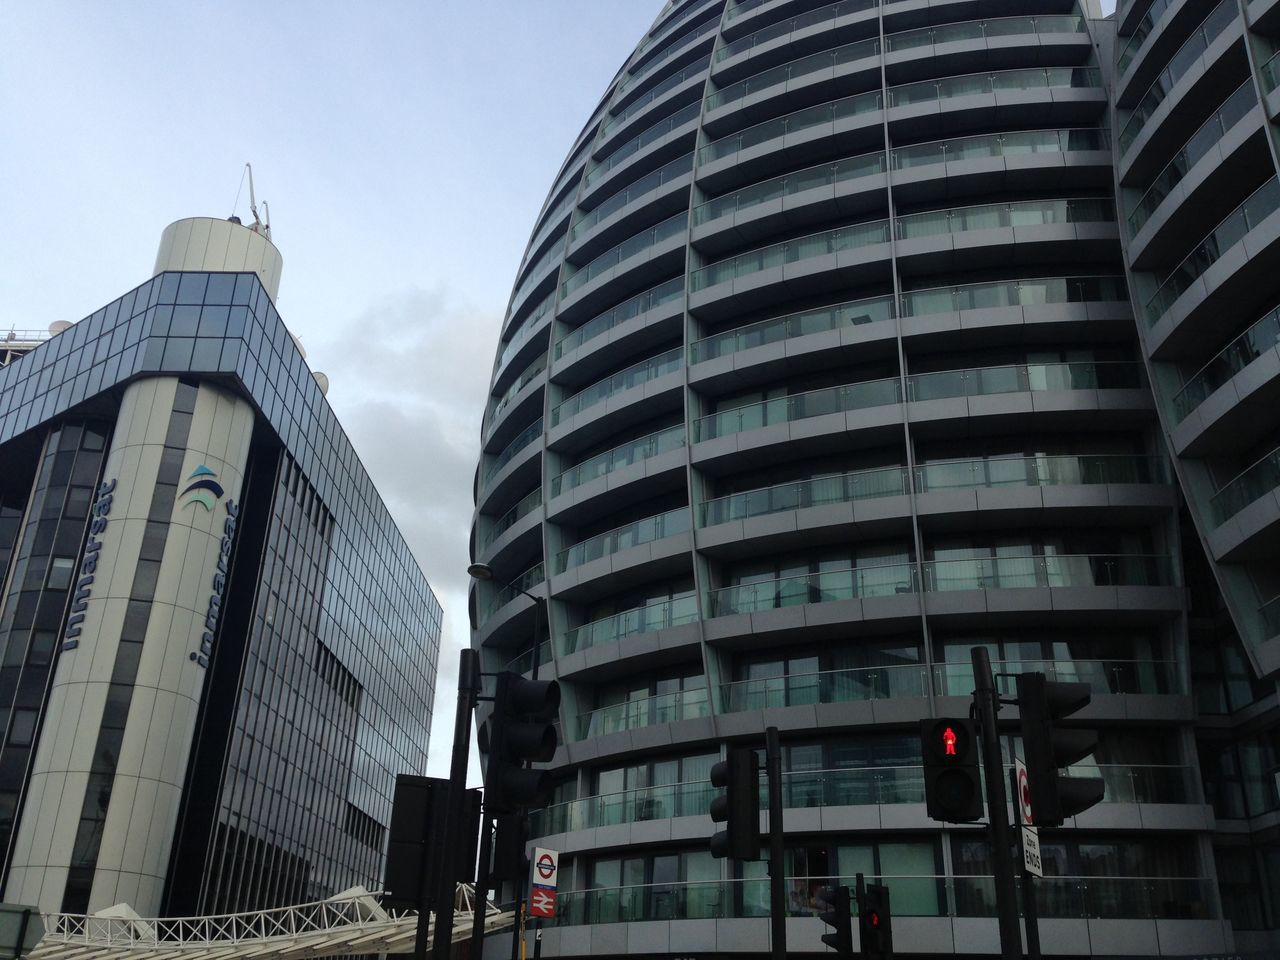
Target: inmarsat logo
{"points": [[204, 489]]}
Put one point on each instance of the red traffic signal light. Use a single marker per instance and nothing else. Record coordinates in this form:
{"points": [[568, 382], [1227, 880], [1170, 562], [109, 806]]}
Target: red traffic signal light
{"points": [[952, 784], [875, 923]]}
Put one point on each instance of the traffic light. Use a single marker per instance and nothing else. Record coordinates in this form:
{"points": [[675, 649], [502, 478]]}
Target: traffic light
{"points": [[522, 729], [875, 923], [840, 917], [952, 783], [1047, 749], [738, 807]]}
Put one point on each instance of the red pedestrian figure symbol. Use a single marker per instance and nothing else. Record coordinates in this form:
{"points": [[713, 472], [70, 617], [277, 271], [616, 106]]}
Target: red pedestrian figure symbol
{"points": [[949, 739]]}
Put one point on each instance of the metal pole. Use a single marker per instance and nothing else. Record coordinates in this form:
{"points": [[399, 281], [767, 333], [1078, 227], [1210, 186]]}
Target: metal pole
{"points": [[517, 931], [481, 899], [777, 856], [1030, 919], [537, 939], [468, 690], [987, 700]]}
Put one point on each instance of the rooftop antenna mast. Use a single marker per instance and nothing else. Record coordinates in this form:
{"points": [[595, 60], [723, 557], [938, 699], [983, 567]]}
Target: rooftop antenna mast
{"points": [[258, 225]]}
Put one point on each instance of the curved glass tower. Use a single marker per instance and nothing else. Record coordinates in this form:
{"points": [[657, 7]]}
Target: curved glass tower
{"points": [[821, 369]]}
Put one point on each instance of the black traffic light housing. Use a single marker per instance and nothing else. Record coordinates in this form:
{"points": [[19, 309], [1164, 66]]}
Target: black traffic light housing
{"points": [[840, 917], [1047, 748], [875, 923], [522, 729], [417, 844], [738, 807], [952, 781]]}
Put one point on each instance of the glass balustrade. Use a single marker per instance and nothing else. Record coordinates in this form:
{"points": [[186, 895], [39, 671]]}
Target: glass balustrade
{"points": [[880, 580], [536, 274], [522, 509], [655, 615], [1258, 481], [524, 438], [798, 406], [632, 246], [807, 119], [988, 216], [634, 307], [796, 69], [1059, 570], [785, 28], [1259, 339], [665, 86], [526, 581], [1151, 677], [623, 198], [1261, 203], [844, 239], [527, 328], [799, 494], [826, 175], [1145, 783], [1232, 111], [665, 30], [982, 29], [1271, 73], [633, 146], [1024, 377], [632, 806], [524, 663], [973, 84], [1010, 144], [651, 369], [1014, 293], [666, 53], [623, 538], [1040, 471], [1057, 898], [531, 373], [828, 686], [1217, 20], [631, 714], [1270, 614], [1141, 30], [623, 455], [820, 320]]}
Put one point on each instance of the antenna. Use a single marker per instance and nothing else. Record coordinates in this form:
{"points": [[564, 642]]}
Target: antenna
{"points": [[258, 225]]}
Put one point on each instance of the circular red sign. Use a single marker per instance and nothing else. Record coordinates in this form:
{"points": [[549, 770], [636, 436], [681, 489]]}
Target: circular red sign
{"points": [[1024, 795], [546, 866]]}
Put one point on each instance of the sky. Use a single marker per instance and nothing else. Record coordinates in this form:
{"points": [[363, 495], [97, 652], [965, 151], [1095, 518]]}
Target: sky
{"points": [[404, 148]]}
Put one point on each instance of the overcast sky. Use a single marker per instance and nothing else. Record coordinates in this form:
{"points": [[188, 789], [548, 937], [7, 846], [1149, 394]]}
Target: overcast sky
{"points": [[404, 147]]}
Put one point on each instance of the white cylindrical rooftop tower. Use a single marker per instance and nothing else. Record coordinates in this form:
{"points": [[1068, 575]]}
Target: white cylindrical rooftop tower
{"points": [[207, 243]]}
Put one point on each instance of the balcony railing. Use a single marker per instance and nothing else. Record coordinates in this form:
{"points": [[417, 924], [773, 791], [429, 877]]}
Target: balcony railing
{"points": [[696, 69], [1260, 204], [1270, 615], [1150, 677], [531, 373], [987, 216], [633, 376], [526, 581], [631, 714], [523, 663], [1011, 144], [1271, 73], [623, 538], [632, 246], [980, 29], [525, 330], [672, 171], [655, 615], [1014, 293], [1042, 471], [526, 506], [603, 323], [1079, 898], [827, 686], [825, 175], [665, 30], [1060, 570], [786, 27], [798, 406], [974, 84], [852, 314], [802, 67], [675, 46], [1217, 20], [882, 580], [524, 438], [852, 237], [1210, 133], [1257, 481], [623, 455], [1024, 377], [1259, 339], [799, 494], [633, 146], [796, 122]]}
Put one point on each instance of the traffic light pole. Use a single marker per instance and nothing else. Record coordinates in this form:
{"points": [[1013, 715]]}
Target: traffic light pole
{"points": [[987, 700], [777, 856], [468, 690], [480, 901], [1030, 918]]}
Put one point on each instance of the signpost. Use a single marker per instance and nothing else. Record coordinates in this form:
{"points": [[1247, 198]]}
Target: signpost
{"points": [[542, 882]]}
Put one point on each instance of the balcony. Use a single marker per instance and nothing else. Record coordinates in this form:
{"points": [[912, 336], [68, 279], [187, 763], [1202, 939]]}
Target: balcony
{"points": [[1260, 339], [675, 46], [527, 436], [509, 519], [799, 406], [982, 30], [630, 195], [1042, 471], [1104, 677], [883, 580], [1061, 570], [827, 686], [973, 84], [634, 146], [786, 28], [993, 295], [623, 455], [988, 216], [656, 92], [638, 305], [844, 488], [1258, 481], [1011, 144], [623, 538], [631, 247], [524, 663], [808, 119], [632, 714], [526, 581], [775, 329], [657, 615], [633, 376], [1023, 378], [1141, 31]]}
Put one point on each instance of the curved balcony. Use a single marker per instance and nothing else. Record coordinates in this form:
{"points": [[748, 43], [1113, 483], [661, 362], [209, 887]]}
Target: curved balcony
{"points": [[525, 343], [825, 686], [550, 234], [1059, 570], [855, 583], [516, 467], [1256, 342], [631, 266], [1024, 378], [777, 329], [1042, 471], [656, 143], [659, 192], [508, 612], [639, 305], [622, 538], [514, 401], [629, 248], [798, 406], [1257, 481], [788, 28], [801, 494], [632, 714], [646, 370], [693, 75], [1141, 30], [623, 455], [1014, 143], [650, 618], [1159, 678], [526, 506], [635, 81], [662, 33]]}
